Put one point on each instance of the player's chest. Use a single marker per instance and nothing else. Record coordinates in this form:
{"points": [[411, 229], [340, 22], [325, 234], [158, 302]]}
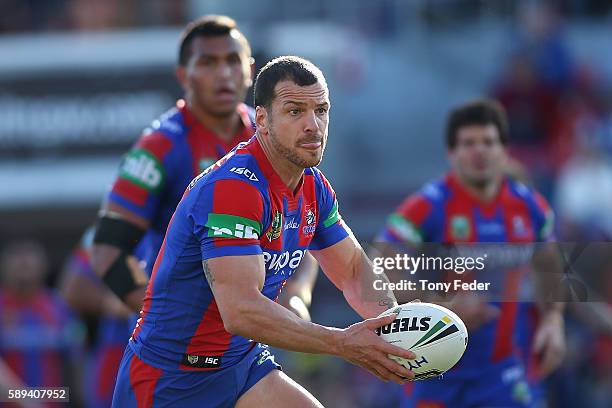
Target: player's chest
{"points": [[205, 149], [288, 232], [501, 223]]}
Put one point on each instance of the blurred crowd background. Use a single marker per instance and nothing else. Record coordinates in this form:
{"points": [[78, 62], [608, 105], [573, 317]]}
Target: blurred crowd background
{"points": [[79, 79]]}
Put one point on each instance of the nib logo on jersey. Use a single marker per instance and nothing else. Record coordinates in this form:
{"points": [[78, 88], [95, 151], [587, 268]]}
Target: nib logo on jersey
{"points": [[142, 168], [232, 226]]}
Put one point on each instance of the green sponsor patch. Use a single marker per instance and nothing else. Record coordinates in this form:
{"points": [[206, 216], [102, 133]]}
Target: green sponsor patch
{"points": [[333, 216], [548, 227], [460, 227], [143, 169], [232, 226], [406, 230]]}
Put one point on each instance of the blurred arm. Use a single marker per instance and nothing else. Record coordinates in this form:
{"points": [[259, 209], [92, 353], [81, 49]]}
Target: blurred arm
{"points": [[105, 255], [297, 293]]}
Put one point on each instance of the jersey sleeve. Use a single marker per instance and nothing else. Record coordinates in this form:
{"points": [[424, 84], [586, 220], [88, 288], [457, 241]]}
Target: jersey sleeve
{"points": [[143, 174], [407, 224], [544, 219], [330, 229], [227, 219]]}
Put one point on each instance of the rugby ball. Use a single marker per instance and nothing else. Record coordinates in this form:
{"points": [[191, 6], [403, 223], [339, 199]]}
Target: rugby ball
{"points": [[435, 334]]}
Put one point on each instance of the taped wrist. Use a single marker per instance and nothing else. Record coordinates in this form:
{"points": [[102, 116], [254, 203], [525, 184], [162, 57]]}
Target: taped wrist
{"points": [[120, 278]]}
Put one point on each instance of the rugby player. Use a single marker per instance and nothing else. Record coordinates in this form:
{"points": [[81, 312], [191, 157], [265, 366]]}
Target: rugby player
{"points": [[476, 203], [238, 233], [215, 69]]}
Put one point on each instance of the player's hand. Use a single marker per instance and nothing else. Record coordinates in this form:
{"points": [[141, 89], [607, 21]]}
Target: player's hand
{"points": [[297, 306], [472, 309], [549, 342], [361, 346]]}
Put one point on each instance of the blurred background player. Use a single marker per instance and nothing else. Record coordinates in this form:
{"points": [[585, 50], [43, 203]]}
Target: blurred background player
{"points": [[215, 69], [40, 341], [476, 203]]}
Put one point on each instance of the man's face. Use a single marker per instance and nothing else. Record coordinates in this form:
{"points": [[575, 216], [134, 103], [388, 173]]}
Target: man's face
{"points": [[479, 157], [23, 269], [217, 75], [296, 122]]}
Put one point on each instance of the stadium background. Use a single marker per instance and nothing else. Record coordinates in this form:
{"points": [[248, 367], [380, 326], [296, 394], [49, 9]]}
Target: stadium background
{"points": [[79, 79]]}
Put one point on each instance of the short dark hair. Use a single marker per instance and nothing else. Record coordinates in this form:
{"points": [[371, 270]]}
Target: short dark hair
{"points": [[209, 26], [477, 112], [299, 70]]}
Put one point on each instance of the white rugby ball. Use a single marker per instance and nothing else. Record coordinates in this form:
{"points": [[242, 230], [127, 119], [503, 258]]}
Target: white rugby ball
{"points": [[435, 334]]}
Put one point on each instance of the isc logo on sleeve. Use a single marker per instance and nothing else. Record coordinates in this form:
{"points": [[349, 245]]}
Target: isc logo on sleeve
{"points": [[245, 172], [142, 168], [232, 226]]}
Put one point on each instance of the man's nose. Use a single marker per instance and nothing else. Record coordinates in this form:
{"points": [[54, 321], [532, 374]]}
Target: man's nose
{"points": [[311, 124]]}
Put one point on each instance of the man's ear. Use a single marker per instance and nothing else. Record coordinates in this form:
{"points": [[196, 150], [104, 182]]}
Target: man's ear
{"points": [[181, 76], [261, 119]]}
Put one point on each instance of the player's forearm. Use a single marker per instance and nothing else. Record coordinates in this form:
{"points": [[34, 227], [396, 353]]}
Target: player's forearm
{"points": [[548, 278], [102, 257], [366, 296], [267, 322]]}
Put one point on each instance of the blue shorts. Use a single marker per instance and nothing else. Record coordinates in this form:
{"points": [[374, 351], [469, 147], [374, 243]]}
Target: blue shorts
{"points": [[498, 385], [142, 385]]}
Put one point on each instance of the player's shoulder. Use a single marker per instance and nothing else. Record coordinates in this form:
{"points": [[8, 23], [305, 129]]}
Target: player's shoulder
{"points": [[426, 201], [321, 182], [238, 168], [527, 194], [170, 123], [431, 193], [163, 134]]}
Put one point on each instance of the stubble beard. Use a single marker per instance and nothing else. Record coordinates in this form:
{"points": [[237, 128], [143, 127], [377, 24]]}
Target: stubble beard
{"points": [[292, 155]]}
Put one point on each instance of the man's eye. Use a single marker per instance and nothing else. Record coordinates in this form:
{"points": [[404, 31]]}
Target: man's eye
{"points": [[294, 112], [321, 111], [233, 59], [205, 62]]}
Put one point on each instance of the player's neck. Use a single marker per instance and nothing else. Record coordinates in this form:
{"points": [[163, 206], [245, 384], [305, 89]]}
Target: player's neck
{"points": [[486, 192], [224, 127], [289, 173]]}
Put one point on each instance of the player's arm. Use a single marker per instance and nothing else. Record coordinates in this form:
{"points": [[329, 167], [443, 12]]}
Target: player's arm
{"points": [[118, 232], [297, 293], [549, 338], [127, 213], [87, 297], [348, 267], [237, 281]]}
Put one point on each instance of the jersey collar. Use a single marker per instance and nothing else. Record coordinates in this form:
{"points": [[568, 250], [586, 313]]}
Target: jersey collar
{"points": [[275, 181], [465, 194], [245, 131]]}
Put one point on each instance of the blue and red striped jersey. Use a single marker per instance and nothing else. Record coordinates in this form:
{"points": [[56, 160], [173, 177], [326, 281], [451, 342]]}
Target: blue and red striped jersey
{"points": [[38, 337], [157, 169], [239, 207], [444, 212]]}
